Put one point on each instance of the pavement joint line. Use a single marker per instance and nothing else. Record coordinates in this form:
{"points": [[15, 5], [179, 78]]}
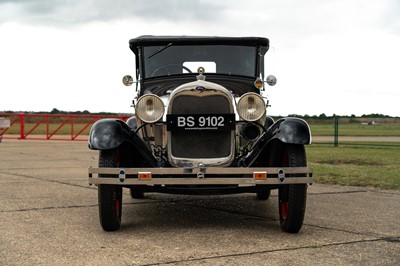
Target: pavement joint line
{"points": [[343, 230], [40, 168], [252, 216], [230, 212], [187, 203], [35, 182], [337, 192], [90, 187], [386, 192], [389, 239], [386, 239], [80, 206], [50, 181], [50, 208], [65, 183]]}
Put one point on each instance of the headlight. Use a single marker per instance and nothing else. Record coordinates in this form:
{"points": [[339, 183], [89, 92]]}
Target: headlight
{"points": [[251, 107], [150, 108]]}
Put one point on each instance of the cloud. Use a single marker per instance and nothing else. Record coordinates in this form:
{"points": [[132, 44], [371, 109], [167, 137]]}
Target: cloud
{"points": [[302, 18], [324, 52], [390, 18], [60, 12]]}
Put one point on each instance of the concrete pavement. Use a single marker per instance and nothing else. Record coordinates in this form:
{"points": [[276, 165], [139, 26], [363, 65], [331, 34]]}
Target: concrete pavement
{"points": [[49, 216]]}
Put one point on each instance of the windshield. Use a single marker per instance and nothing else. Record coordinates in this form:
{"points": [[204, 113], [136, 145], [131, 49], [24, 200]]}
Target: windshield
{"points": [[220, 59]]}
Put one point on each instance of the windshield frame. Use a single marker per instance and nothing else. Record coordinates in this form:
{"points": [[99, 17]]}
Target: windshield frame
{"points": [[250, 53]]}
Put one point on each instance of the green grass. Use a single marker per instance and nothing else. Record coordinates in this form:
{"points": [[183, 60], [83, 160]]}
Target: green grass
{"points": [[392, 129], [355, 166], [360, 144]]}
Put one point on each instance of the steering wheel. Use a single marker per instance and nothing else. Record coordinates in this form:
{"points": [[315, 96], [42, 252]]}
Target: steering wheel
{"points": [[166, 69]]}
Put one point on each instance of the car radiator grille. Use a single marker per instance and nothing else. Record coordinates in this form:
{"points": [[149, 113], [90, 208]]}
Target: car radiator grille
{"points": [[201, 144]]}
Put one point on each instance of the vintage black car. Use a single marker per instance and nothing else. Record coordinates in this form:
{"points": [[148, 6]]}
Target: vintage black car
{"points": [[201, 127]]}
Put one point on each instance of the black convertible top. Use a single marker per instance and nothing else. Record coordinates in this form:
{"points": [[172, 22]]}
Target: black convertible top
{"points": [[150, 40]]}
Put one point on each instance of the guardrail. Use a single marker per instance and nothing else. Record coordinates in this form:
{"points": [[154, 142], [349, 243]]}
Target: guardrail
{"points": [[4, 125], [49, 126]]}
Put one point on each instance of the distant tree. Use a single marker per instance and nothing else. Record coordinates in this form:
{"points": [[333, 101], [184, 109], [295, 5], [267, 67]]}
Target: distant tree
{"points": [[295, 115], [353, 119], [55, 111], [322, 116], [375, 116]]}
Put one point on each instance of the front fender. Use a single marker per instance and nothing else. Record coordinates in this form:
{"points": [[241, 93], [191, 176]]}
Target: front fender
{"points": [[291, 130], [288, 130], [108, 133]]}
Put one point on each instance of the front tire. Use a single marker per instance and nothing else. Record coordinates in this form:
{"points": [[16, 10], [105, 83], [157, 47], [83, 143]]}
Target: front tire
{"points": [[109, 196], [292, 198]]}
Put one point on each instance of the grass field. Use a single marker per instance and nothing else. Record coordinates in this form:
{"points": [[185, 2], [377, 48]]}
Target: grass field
{"points": [[356, 166], [387, 129], [360, 163]]}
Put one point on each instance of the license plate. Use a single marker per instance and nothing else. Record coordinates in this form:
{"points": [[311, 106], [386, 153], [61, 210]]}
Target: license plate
{"points": [[200, 122]]}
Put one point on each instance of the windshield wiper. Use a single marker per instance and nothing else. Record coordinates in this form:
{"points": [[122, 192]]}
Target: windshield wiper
{"points": [[159, 51]]}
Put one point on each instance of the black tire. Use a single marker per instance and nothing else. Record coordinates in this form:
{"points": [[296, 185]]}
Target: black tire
{"points": [[263, 194], [292, 198], [136, 193], [109, 196]]}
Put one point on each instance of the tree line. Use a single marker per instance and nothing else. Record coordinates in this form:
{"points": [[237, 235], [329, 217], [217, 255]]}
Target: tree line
{"points": [[322, 116], [55, 111]]}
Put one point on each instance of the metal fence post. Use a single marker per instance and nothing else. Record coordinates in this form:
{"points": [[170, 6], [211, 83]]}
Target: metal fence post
{"points": [[336, 133], [21, 126]]}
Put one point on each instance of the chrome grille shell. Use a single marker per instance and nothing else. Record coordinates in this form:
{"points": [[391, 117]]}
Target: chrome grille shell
{"points": [[208, 148]]}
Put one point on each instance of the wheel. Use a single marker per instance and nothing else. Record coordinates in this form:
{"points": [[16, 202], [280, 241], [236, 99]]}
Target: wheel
{"points": [[109, 196], [263, 194], [292, 198], [137, 194]]}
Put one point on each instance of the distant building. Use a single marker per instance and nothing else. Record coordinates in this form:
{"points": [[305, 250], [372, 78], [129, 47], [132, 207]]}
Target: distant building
{"points": [[369, 123]]}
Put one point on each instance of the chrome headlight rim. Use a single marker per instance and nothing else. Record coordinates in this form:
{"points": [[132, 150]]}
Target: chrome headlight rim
{"points": [[147, 102], [243, 107]]}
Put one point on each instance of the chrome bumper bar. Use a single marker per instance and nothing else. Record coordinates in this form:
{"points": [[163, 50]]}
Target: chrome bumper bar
{"points": [[201, 176]]}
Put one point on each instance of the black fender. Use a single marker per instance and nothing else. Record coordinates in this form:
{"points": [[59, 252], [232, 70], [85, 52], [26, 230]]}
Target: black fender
{"points": [[290, 130], [109, 133], [269, 121], [132, 123]]}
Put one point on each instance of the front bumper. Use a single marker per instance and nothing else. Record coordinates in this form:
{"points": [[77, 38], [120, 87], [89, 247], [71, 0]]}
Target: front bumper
{"points": [[201, 176]]}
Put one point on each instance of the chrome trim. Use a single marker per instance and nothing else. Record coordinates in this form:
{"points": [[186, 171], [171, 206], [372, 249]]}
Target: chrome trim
{"points": [[190, 176], [210, 89]]}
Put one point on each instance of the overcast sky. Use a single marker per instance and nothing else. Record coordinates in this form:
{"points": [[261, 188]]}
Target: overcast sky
{"points": [[330, 56]]}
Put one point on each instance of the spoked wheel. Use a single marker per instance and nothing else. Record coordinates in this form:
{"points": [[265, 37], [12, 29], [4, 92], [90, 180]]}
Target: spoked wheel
{"points": [[110, 196], [292, 198]]}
